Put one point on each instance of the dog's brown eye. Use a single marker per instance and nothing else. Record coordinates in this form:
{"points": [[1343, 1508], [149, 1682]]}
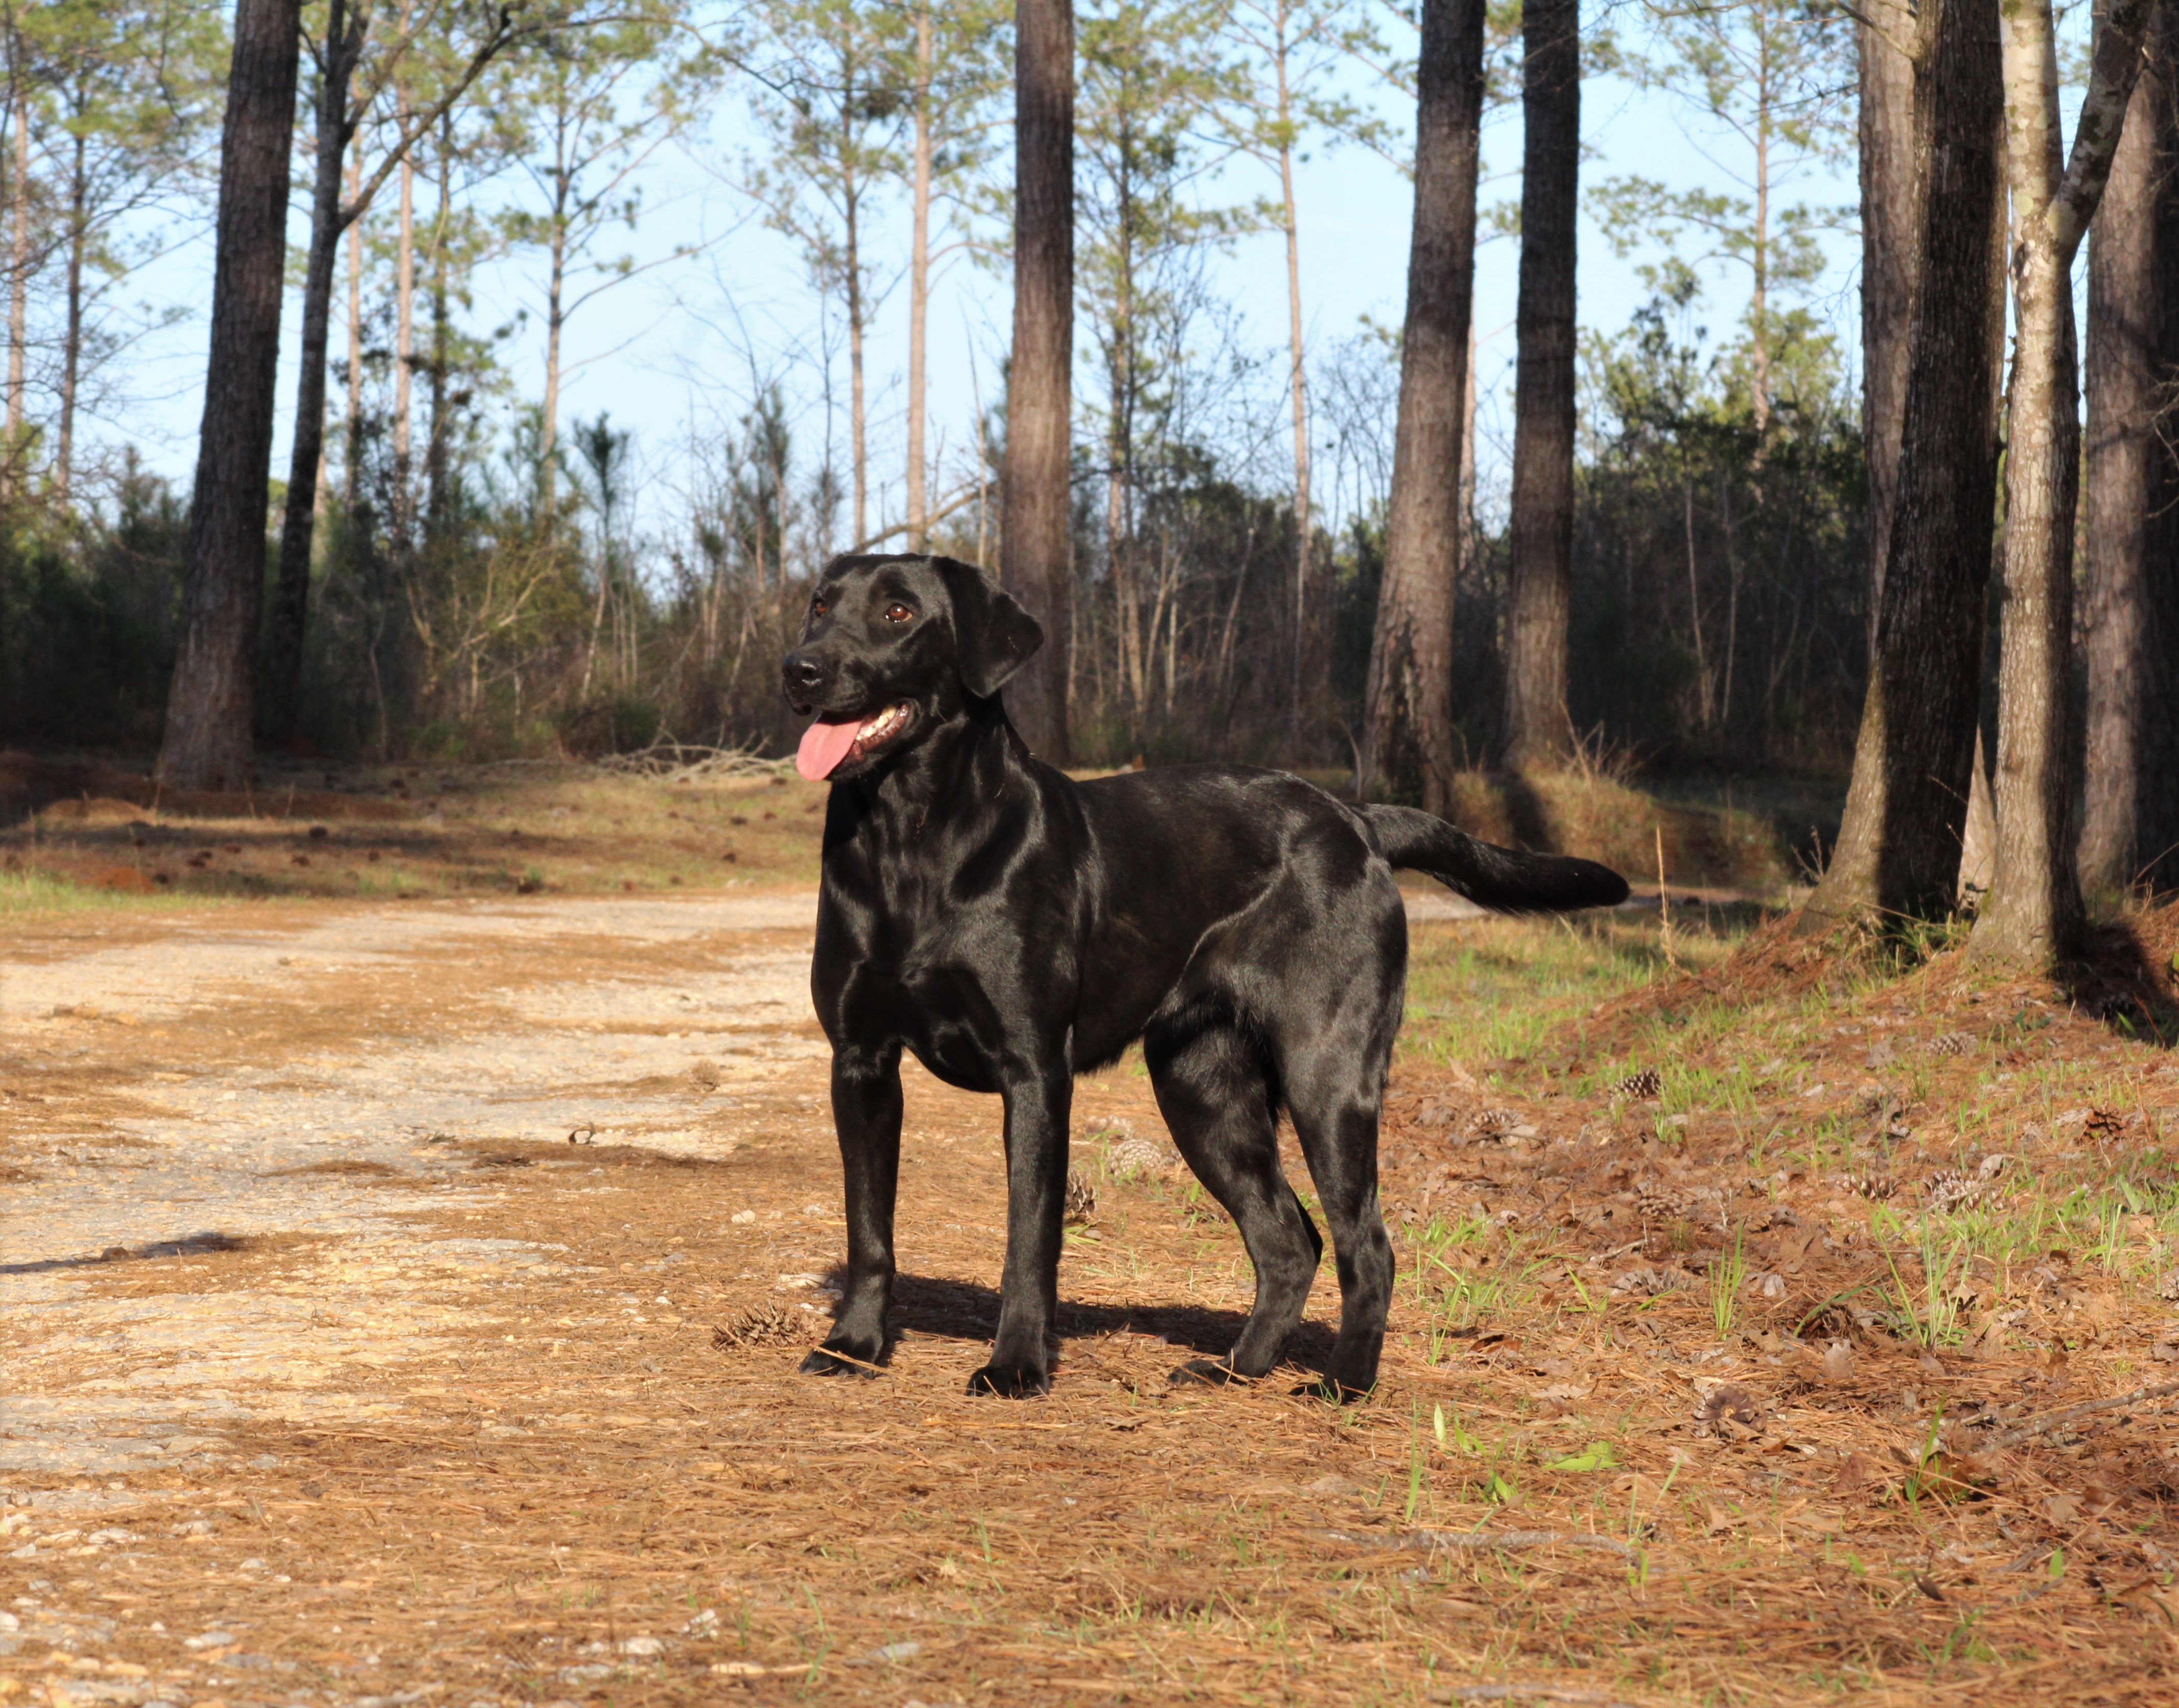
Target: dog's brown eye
{"points": [[897, 613], [818, 609]]}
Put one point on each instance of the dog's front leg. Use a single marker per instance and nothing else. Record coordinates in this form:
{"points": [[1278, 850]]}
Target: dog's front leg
{"points": [[1038, 1106], [866, 1116]]}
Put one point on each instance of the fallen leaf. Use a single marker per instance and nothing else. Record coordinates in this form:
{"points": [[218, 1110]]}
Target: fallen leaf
{"points": [[1838, 1362], [1854, 1473], [1954, 1477]]}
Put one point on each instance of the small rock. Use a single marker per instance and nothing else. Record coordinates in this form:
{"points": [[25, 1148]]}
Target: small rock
{"points": [[889, 1652], [740, 1216], [641, 1647], [210, 1639]]}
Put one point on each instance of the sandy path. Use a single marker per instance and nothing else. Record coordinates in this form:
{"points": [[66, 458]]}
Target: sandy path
{"points": [[258, 1059], [279, 1185]]}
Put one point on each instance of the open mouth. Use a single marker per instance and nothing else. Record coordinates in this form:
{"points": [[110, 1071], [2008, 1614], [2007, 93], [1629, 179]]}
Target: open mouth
{"points": [[827, 745]]}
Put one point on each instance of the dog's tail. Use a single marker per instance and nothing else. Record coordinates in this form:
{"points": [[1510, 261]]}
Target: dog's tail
{"points": [[1498, 879]]}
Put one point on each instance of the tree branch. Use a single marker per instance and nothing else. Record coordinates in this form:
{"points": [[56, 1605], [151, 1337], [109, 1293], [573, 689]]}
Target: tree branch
{"points": [[965, 496], [2115, 67], [503, 35]]}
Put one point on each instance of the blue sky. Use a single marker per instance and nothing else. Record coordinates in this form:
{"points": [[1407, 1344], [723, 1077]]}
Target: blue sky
{"points": [[668, 354]]}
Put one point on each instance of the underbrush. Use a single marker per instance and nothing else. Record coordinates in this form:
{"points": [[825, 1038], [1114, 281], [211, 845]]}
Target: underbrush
{"points": [[88, 834]]}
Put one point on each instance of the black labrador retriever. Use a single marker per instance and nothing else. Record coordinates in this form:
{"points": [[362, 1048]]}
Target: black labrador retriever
{"points": [[1014, 929]]}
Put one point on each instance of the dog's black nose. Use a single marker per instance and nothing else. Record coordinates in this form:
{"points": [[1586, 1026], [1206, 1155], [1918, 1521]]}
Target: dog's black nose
{"points": [[801, 674]]}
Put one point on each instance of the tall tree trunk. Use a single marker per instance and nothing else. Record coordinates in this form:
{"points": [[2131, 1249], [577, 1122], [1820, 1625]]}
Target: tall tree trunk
{"points": [[1035, 557], [1411, 651], [2130, 535], [1538, 724], [352, 473], [1758, 299], [556, 317], [404, 321], [2033, 912], [19, 261], [858, 421], [1891, 257], [291, 593], [79, 242], [1899, 845], [436, 497], [206, 742], [918, 285], [1305, 676]]}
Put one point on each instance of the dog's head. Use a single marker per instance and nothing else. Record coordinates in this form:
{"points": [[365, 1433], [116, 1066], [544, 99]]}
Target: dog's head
{"points": [[892, 648]]}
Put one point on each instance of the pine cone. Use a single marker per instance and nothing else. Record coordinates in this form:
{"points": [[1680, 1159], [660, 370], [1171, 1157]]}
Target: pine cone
{"points": [[1137, 1155], [762, 1325], [1648, 1083], [1081, 1198], [1948, 1189]]}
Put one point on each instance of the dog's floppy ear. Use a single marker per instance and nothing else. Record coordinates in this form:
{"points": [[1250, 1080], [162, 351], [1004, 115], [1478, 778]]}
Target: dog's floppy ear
{"points": [[993, 636]]}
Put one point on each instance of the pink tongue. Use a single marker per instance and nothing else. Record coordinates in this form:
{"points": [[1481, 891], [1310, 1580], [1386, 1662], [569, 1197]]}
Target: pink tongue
{"points": [[823, 746]]}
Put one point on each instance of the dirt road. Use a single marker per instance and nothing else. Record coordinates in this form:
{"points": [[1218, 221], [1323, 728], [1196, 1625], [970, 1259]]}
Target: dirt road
{"points": [[337, 1373]]}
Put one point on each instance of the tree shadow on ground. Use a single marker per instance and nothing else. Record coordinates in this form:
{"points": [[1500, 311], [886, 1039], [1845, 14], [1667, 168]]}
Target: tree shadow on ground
{"points": [[2124, 979]]}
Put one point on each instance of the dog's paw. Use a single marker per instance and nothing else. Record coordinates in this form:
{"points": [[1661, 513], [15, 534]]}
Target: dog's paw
{"points": [[845, 1358], [1011, 1380], [1208, 1372]]}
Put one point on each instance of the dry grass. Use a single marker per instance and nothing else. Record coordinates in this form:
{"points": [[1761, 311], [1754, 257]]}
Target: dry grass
{"points": [[85, 834]]}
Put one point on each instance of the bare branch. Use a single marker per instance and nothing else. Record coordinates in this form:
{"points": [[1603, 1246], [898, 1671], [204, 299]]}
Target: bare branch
{"points": [[2117, 66]]}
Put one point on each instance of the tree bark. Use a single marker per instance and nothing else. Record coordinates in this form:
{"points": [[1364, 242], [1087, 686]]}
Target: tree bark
{"points": [[206, 742], [556, 317], [2034, 912], [291, 593], [1410, 650], [1298, 396], [79, 242], [404, 319], [1035, 555], [1890, 255], [918, 287], [1898, 851], [1539, 727], [437, 497], [352, 470], [858, 417], [19, 260], [2130, 536]]}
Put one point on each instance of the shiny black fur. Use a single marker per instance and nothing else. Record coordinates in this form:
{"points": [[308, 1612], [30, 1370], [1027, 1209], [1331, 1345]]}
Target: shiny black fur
{"points": [[1014, 929]]}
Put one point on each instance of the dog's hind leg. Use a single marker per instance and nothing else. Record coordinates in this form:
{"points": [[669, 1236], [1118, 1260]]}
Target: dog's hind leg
{"points": [[866, 1114], [1214, 1090], [1333, 1074]]}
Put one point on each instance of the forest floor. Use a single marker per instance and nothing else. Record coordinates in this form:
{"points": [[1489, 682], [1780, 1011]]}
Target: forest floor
{"points": [[403, 1289]]}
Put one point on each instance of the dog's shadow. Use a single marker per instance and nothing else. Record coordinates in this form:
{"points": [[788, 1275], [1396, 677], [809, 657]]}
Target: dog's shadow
{"points": [[940, 1305]]}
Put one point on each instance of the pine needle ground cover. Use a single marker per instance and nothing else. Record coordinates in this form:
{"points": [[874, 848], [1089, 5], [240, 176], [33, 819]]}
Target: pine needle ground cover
{"points": [[1759, 1317]]}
